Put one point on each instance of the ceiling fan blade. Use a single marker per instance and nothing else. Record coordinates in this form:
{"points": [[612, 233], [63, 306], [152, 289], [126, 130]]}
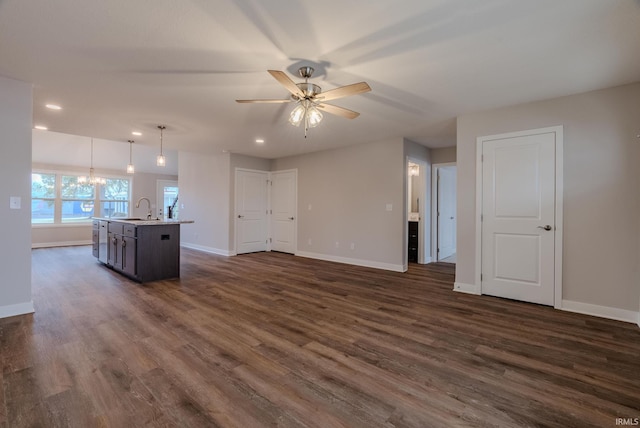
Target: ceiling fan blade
{"points": [[264, 101], [339, 111], [285, 81], [343, 91]]}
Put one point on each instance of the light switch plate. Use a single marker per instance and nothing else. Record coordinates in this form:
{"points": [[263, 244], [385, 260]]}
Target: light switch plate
{"points": [[15, 202], [389, 207]]}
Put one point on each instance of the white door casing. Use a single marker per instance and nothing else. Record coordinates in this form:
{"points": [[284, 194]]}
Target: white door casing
{"points": [[446, 200], [284, 211], [251, 210], [161, 185], [519, 247]]}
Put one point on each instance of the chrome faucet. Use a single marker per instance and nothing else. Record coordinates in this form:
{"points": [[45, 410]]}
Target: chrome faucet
{"points": [[148, 204]]}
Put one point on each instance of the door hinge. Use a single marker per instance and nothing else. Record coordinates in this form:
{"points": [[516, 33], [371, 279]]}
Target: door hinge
{"points": [[438, 250], [481, 217], [480, 277], [481, 158]]}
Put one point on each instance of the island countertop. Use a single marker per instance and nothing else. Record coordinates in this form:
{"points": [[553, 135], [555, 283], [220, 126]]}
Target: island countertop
{"points": [[143, 222]]}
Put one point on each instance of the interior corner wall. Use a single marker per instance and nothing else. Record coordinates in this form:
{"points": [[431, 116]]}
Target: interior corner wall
{"points": [[601, 251], [204, 198], [343, 196], [15, 182]]}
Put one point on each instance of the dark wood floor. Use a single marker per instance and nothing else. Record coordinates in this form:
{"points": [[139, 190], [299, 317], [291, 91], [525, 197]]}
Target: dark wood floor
{"points": [[270, 339]]}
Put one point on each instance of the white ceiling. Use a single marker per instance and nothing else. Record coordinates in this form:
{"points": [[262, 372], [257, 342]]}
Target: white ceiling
{"points": [[120, 65]]}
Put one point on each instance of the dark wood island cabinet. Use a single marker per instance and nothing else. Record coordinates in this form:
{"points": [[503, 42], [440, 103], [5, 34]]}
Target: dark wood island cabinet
{"points": [[143, 250]]}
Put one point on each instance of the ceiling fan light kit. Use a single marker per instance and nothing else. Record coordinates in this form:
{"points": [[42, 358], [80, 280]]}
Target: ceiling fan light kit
{"points": [[310, 98]]}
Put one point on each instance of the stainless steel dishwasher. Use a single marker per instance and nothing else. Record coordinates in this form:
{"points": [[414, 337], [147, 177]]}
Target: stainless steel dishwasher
{"points": [[103, 236]]}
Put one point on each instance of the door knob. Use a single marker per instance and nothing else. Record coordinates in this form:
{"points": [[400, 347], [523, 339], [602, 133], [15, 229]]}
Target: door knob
{"points": [[240, 216], [547, 227], [290, 218]]}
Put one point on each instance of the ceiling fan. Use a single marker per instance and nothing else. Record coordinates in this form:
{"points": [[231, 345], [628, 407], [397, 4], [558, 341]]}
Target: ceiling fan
{"points": [[311, 100]]}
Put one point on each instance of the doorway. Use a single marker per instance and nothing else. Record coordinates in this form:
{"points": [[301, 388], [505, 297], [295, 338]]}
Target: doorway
{"points": [[444, 212], [519, 221], [418, 240]]}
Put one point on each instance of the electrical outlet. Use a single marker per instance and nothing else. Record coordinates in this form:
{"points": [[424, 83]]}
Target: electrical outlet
{"points": [[337, 244], [353, 246], [309, 241]]}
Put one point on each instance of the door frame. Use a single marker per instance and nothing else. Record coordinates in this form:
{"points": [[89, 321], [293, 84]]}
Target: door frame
{"points": [[434, 206], [424, 232], [160, 184], [559, 186]]}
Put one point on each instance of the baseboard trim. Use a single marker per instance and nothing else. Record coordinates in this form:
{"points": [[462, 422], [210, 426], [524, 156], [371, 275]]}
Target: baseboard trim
{"points": [[17, 309], [355, 262], [601, 311], [209, 250], [59, 244], [461, 287]]}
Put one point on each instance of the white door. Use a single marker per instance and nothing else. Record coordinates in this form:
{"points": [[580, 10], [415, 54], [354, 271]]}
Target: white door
{"points": [[167, 196], [251, 211], [446, 211], [518, 217], [283, 211]]}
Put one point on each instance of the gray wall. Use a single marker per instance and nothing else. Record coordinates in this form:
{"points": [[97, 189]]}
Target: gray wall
{"points": [[443, 155], [205, 195], [15, 180], [348, 190], [601, 254]]}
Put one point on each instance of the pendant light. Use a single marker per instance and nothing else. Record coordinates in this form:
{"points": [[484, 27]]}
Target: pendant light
{"points": [[92, 179], [160, 160], [130, 168]]}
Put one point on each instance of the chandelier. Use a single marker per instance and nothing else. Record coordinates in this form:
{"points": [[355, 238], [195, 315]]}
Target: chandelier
{"points": [[92, 179]]}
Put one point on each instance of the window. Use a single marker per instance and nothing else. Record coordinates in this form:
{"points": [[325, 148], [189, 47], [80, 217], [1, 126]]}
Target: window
{"points": [[114, 198], [43, 195], [58, 198], [78, 200]]}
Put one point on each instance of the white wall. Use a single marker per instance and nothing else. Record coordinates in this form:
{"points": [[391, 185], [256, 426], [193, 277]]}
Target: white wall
{"points": [[205, 195], [601, 257], [348, 190], [15, 180]]}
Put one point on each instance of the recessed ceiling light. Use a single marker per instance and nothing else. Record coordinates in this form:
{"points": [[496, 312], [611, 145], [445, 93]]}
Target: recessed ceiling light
{"points": [[260, 141], [53, 107], [136, 133], [40, 127]]}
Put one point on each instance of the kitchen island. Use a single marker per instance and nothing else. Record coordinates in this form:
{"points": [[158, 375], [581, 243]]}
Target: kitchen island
{"points": [[143, 250]]}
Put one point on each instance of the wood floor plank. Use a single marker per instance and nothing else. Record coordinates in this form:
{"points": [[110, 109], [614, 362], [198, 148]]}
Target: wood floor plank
{"points": [[269, 339]]}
